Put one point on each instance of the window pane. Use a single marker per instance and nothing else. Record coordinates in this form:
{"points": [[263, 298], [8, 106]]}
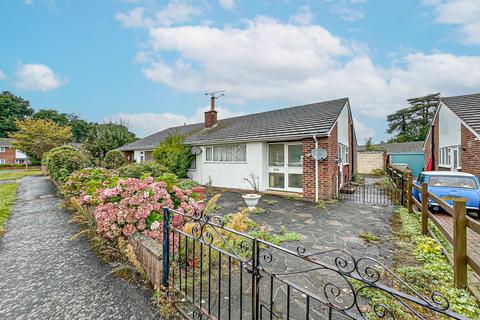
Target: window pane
{"points": [[295, 180], [295, 155], [193, 166], [208, 154], [448, 156], [455, 158], [277, 180], [452, 182], [276, 155]]}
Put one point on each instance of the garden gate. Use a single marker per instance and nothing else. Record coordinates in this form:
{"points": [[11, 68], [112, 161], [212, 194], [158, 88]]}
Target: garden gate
{"points": [[221, 273]]}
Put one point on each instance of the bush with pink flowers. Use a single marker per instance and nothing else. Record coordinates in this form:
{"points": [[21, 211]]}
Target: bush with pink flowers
{"points": [[125, 209]]}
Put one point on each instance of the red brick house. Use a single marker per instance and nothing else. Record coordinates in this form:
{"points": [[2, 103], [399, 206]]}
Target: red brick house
{"points": [[275, 146], [453, 141], [10, 155]]}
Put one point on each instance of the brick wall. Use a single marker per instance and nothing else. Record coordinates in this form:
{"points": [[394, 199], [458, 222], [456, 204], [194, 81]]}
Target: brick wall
{"points": [[327, 169], [470, 152], [8, 155], [428, 146]]}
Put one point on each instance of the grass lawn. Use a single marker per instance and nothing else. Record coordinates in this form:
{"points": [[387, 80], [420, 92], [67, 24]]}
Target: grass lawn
{"points": [[14, 175], [7, 195]]}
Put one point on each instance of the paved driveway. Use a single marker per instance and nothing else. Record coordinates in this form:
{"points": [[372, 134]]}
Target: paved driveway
{"points": [[337, 226]]}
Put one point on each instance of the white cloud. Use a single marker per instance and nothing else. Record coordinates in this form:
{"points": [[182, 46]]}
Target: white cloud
{"points": [[270, 60], [3, 75], [173, 12], [346, 9], [462, 13], [37, 77], [227, 4], [148, 123], [304, 16], [362, 131], [28, 2]]}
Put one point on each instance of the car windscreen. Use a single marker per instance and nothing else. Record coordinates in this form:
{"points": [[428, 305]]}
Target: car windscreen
{"points": [[452, 182]]}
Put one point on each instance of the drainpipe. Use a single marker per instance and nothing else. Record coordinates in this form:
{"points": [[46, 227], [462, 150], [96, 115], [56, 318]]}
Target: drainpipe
{"points": [[316, 170], [433, 147]]}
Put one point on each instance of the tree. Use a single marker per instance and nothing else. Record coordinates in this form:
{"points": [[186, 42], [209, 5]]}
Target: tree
{"points": [[412, 123], [49, 114], [114, 159], [108, 136], [12, 108], [80, 128], [37, 136], [174, 154]]}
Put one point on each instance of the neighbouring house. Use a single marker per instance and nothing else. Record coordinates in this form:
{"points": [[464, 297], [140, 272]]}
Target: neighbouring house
{"points": [[10, 155], [275, 146], [379, 155], [452, 143]]}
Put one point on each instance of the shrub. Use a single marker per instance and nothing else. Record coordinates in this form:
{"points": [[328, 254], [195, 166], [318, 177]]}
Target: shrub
{"points": [[82, 184], [114, 159], [139, 170], [126, 208], [174, 154], [187, 184], [62, 161]]}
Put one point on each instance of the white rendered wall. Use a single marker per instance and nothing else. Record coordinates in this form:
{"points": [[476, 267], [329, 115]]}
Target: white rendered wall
{"points": [[231, 174], [342, 126], [449, 128], [20, 155]]}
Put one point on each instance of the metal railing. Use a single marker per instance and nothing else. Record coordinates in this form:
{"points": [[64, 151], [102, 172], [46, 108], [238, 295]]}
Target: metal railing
{"points": [[224, 273]]}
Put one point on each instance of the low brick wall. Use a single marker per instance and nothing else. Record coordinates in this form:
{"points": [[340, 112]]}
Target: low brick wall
{"points": [[148, 251]]}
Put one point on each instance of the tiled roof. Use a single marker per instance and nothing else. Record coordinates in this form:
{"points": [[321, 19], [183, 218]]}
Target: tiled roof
{"points": [[276, 125], [5, 142], [467, 108], [397, 147]]}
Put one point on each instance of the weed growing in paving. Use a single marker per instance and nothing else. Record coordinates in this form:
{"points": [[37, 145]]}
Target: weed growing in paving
{"points": [[271, 202], [284, 236], [370, 236]]}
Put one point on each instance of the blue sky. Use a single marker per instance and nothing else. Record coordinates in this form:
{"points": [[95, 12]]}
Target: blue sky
{"points": [[150, 62]]}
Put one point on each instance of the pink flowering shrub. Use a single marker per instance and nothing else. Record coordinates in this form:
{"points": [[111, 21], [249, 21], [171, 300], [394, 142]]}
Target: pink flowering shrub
{"points": [[124, 209]]}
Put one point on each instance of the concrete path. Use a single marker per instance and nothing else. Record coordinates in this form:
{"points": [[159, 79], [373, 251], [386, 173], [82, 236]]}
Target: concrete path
{"points": [[43, 275]]}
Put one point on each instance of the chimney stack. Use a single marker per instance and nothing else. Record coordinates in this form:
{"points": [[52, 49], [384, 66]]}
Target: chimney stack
{"points": [[211, 116]]}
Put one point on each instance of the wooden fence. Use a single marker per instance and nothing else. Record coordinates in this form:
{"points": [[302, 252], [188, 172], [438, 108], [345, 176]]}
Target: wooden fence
{"points": [[462, 225]]}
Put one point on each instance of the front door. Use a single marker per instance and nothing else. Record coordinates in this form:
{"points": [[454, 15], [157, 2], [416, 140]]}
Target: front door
{"points": [[285, 166]]}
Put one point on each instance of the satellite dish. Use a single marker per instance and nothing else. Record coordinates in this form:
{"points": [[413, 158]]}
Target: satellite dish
{"points": [[196, 150], [319, 154]]}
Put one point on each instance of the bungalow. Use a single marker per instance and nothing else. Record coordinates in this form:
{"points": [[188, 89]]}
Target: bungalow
{"points": [[10, 155], [278, 147], [453, 141]]}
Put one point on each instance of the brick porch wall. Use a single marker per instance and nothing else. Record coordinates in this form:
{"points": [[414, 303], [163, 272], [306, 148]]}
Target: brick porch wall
{"points": [[8, 155], [470, 152], [327, 169]]}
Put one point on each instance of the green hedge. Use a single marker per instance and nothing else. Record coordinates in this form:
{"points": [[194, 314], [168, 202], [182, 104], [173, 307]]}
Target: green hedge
{"points": [[62, 161], [139, 170]]}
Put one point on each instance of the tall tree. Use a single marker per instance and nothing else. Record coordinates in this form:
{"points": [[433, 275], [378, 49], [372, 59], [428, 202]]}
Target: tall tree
{"points": [[80, 128], [108, 136], [49, 114], [412, 123], [37, 136], [12, 108]]}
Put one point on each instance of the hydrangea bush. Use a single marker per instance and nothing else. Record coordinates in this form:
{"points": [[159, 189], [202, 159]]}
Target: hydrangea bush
{"points": [[83, 184], [128, 207]]}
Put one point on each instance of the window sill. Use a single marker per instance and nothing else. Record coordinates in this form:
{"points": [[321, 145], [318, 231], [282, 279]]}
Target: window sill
{"points": [[225, 162]]}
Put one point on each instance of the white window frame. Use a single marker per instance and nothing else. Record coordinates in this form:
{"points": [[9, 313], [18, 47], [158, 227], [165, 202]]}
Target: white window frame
{"points": [[3, 161], [343, 154], [2, 149], [445, 157], [210, 153]]}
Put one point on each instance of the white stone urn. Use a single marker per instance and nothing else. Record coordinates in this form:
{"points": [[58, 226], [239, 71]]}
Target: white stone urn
{"points": [[251, 199]]}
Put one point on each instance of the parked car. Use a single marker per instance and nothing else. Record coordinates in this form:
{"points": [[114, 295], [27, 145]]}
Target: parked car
{"points": [[446, 184]]}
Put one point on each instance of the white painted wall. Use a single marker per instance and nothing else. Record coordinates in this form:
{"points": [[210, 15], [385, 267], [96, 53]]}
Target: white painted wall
{"points": [[342, 126], [231, 174], [20, 155], [137, 155], [449, 128]]}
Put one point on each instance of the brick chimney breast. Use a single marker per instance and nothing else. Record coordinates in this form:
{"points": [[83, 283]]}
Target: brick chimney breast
{"points": [[210, 118]]}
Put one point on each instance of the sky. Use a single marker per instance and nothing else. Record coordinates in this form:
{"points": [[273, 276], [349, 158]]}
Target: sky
{"points": [[149, 63]]}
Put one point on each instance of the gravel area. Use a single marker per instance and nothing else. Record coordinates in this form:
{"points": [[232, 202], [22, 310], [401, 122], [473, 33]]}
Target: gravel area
{"points": [[44, 275]]}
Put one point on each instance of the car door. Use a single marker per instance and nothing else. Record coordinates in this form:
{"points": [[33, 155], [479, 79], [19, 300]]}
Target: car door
{"points": [[417, 194]]}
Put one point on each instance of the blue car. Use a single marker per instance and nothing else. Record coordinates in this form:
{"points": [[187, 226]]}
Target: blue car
{"points": [[446, 184]]}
